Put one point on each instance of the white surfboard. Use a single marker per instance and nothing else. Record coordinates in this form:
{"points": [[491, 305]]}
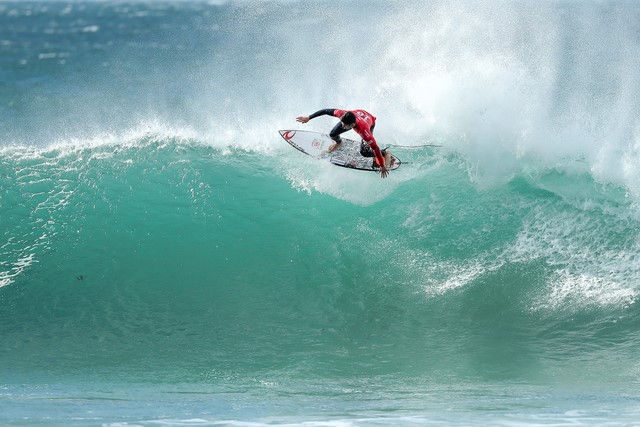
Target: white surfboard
{"points": [[346, 154]]}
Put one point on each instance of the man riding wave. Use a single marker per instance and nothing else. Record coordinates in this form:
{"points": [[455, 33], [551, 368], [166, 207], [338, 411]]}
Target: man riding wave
{"points": [[363, 124]]}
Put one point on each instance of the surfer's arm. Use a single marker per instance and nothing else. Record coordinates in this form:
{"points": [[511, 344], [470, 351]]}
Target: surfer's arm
{"points": [[377, 152], [367, 136], [379, 157], [325, 112]]}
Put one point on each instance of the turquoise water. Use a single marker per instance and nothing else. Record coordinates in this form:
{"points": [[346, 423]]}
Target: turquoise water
{"points": [[167, 259]]}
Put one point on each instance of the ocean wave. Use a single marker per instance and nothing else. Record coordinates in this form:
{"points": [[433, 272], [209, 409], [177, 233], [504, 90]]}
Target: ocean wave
{"points": [[154, 205]]}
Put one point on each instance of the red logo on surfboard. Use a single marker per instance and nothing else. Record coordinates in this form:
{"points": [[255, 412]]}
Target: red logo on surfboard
{"points": [[288, 135]]}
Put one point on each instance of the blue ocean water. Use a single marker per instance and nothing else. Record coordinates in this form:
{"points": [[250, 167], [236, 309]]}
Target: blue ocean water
{"points": [[167, 259]]}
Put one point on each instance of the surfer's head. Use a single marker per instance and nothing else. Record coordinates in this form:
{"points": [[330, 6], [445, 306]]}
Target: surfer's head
{"points": [[348, 120]]}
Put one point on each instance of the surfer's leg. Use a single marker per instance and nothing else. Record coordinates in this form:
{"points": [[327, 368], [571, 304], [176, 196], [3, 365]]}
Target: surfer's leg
{"points": [[335, 135], [365, 150]]}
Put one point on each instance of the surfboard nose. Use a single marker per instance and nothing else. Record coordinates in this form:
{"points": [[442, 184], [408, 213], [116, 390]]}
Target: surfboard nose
{"points": [[287, 134]]}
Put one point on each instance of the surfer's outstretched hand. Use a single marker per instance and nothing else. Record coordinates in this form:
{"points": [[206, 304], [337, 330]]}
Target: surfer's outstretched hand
{"points": [[302, 119], [384, 172]]}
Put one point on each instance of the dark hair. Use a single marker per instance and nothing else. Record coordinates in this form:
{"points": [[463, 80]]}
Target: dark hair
{"points": [[349, 118]]}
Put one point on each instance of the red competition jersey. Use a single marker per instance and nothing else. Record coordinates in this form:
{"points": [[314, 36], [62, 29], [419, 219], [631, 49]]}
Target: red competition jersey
{"points": [[364, 121]]}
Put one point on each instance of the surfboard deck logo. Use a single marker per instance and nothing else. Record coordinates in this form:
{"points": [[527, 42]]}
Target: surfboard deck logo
{"points": [[288, 135]]}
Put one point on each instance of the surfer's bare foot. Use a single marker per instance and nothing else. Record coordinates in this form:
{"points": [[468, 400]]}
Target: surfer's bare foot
{"points": [[332, 147]]}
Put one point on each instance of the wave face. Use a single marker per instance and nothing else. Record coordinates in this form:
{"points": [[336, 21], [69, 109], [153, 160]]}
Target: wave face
{"points": [[155, 226]]}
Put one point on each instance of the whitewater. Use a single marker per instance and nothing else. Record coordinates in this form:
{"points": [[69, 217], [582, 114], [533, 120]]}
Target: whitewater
{"points": [[167, 259]]}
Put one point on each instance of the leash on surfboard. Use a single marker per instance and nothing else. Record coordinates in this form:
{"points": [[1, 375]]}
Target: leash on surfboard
{"points": [[416, 146]]}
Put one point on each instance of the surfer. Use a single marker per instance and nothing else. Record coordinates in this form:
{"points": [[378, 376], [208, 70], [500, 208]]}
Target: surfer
{"points": [[363, 123]]}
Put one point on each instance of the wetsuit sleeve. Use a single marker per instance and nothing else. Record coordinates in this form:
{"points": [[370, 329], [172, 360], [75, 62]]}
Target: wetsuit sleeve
{"points": [[325, 112]]}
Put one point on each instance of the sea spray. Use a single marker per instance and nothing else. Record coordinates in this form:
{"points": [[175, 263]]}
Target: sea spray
{"points": [[165, 258]]}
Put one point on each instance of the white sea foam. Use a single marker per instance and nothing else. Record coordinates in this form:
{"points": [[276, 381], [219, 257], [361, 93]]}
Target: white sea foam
{"points": [[596, 263], [512, 87], [7, 277], [577, 291]]}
